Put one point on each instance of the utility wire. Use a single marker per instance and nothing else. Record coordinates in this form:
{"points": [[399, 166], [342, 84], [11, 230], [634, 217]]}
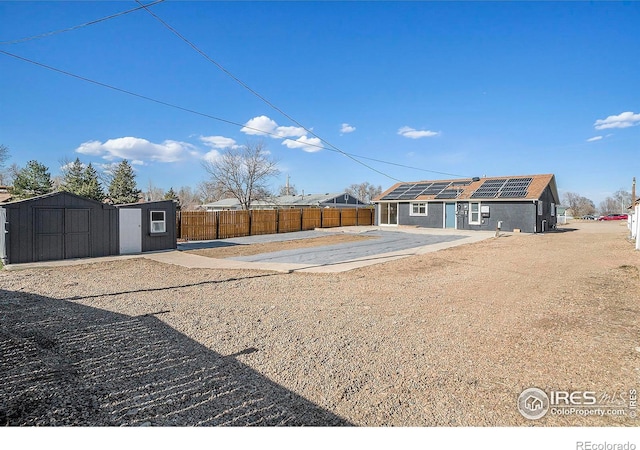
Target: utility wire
{"points": [[142, 6], [244, 85], [209, 116], [64, 30]]}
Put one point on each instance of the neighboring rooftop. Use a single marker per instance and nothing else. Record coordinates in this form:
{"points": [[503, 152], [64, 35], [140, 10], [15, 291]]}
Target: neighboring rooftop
{"points": [[292, 201]]}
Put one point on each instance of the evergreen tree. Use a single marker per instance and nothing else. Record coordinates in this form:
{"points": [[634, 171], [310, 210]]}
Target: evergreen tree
{"points": [[171, 195], [73, 177], [123, 188], [92, 187], [31, 181], [81, 180]]}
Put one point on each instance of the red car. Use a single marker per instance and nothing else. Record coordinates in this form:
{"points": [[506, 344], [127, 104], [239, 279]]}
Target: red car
{"points": [[614, 217]]}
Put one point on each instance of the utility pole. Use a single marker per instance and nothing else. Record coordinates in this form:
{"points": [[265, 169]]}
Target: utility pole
{"points": [[289, 192]]}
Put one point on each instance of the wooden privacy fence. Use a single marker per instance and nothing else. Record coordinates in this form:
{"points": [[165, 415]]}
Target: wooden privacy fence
{"points": [[206, 225]]}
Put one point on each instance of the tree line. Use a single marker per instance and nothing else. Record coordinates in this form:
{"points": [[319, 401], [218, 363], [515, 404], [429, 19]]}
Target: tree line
{"points": [[581, 206], [241, 173]]}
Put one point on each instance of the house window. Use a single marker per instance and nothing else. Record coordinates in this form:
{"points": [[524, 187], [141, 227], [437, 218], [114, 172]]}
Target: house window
{"points": [[540, 207], [553, 209], [418, 209], [474, 213], [158, 222]]}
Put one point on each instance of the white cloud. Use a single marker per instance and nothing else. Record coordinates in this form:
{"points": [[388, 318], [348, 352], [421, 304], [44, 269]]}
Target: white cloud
{"points": [[412, 133], [219, 142], [264, 126], [108, 168], [624, 120], [346, 128], [137, 150], [595, 138], [68, 165], [93, 148], [309, 145], [211, 156]]}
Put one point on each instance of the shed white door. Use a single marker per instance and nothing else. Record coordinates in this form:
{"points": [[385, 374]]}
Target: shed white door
{"points": [[130, 230]]}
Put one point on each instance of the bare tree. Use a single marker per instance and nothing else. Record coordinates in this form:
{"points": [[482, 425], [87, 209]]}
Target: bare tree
{"points": [[617, 203], [579, 205], [4, 156], [208, 192], [10, 174], [153, 192], [287, 190], [243, 172], [189, 200], [365, 192]]}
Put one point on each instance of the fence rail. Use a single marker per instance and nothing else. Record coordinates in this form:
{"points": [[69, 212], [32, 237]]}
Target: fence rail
{"points": [[206, 225]]}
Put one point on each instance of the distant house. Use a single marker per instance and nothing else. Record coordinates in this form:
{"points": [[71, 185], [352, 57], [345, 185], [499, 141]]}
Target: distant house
{"points": [[5, 195], [335, 200], [526, 203]]}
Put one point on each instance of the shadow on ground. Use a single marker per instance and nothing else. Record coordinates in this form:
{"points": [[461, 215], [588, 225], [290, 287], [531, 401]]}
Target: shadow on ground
{"points": [[560, 230], [63, 363], [183, 246]]}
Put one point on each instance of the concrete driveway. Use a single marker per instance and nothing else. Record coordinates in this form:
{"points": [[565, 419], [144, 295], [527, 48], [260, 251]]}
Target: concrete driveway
{"points": [[388, 244]]}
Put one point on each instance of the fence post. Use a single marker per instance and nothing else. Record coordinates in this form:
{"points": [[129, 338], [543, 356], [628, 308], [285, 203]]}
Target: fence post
{"points": [[178, 225], [216, 214]]}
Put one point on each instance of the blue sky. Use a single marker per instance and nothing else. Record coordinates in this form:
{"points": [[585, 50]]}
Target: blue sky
{"points": [[462, 88]]}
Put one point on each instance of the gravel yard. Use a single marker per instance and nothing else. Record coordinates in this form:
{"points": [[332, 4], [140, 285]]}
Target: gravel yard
{"points": [[449, 338]]}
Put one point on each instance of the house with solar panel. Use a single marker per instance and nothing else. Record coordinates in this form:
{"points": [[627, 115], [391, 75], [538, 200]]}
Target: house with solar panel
{"points": [[519, 203]]}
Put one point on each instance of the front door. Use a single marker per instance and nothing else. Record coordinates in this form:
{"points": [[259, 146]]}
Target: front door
{"points": [[450, 215], [130, 230], [388, 214]]}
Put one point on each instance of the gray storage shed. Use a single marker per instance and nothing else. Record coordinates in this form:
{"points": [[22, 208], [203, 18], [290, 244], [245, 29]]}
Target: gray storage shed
{"points": [[59, 225]]}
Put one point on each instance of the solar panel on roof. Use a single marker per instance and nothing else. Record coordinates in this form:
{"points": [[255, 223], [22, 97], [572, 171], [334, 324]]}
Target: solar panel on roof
{"points": [[498, 182], [448, 193], [435, 188], [393, 195], [484, 194], [515, 193], [489, 189]]}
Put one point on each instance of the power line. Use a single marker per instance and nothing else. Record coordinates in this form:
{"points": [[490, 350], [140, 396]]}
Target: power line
{"points": [[86, 24], [202, 53], [247, 87], [209, 116]]}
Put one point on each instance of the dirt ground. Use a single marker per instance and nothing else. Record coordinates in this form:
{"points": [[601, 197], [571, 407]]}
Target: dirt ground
{"points": [[449, 338]]}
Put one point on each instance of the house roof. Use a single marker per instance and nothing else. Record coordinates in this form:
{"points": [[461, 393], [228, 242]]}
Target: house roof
{"points": [[306, 199], [224, 203], [283, 200], [505, 188]]}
